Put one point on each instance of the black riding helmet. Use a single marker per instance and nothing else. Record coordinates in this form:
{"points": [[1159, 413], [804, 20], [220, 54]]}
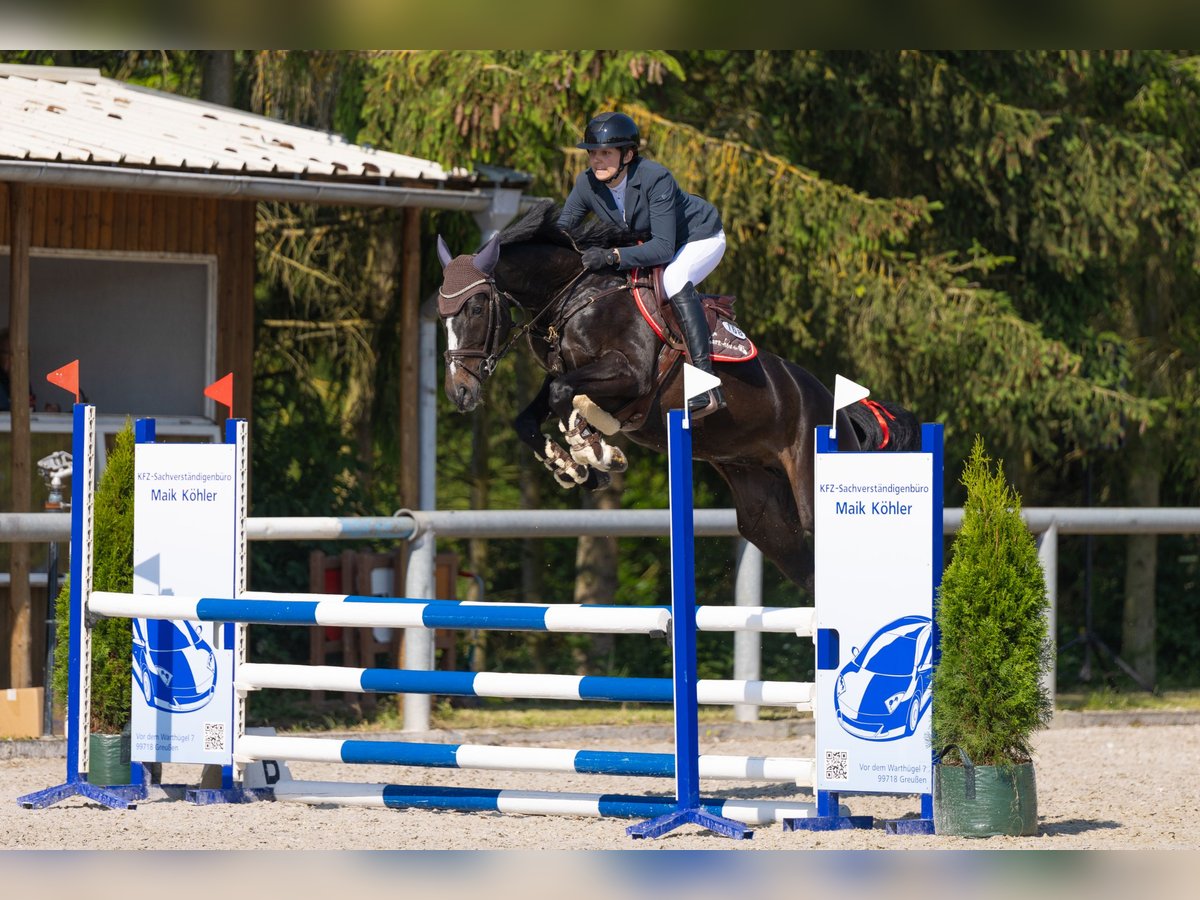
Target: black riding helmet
{"points": [[610, 129]]}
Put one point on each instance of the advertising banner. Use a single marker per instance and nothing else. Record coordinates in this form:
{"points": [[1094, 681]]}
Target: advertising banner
{"points": [[875, 644], [184, 544]]}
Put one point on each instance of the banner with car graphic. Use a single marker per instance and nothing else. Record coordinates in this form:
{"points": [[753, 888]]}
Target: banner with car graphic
{"points": [[877, 538], [184, 543]]}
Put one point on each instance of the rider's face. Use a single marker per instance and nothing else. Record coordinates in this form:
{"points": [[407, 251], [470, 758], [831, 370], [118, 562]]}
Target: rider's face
{"points": [[605, 161]]}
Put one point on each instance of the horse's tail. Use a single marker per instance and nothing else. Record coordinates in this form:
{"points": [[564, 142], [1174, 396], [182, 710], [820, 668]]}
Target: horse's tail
{"points": [[884, 426]]}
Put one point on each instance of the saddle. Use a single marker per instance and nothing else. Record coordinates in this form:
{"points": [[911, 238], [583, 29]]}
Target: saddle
{"points": [[729, 343]]}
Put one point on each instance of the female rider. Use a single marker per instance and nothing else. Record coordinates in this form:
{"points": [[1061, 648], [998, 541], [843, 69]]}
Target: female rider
{"points": [[684, 230]]}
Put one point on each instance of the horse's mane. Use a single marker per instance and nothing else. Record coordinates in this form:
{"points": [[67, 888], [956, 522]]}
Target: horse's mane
{"points": [[540, 225]]}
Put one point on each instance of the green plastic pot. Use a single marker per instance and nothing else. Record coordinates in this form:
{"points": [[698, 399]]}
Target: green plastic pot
{"points": [[984, 801], [108, 759]]}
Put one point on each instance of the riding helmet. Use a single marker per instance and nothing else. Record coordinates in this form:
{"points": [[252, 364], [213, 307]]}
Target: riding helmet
{"points": [[610, 129]]}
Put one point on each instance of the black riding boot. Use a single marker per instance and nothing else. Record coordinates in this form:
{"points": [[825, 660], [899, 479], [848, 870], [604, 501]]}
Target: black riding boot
{"points": [[690, 313]]}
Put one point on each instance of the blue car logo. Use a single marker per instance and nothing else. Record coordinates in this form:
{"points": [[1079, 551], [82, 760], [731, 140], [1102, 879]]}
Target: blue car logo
{"points": [[173, 665], [884, 690]]}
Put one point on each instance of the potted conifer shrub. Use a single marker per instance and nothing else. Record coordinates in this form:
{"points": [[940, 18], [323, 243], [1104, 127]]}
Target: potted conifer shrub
{"points": [[112, 653], [988, 693]]}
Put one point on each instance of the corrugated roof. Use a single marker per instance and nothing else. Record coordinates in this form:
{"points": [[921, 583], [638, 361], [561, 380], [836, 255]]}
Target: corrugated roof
{"points": [[55, 114]]}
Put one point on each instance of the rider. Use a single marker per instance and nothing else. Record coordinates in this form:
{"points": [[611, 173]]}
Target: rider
{"points": [[684, 230]]}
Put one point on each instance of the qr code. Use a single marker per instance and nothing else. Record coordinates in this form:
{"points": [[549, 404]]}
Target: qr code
{"points": [[214, 736], [837, 765]]}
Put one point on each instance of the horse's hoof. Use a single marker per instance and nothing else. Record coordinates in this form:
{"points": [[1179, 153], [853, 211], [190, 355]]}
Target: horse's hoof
{"points": [[565, 470], [598, 481], [564, 481], [566, 473]]}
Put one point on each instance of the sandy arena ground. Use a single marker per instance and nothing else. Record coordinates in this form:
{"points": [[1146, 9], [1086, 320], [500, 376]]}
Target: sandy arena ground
{"points": [[1130, 783]]}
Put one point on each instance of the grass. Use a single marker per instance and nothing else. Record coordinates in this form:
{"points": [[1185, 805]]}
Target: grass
{"points": [[1109, 699], [517, 715]]}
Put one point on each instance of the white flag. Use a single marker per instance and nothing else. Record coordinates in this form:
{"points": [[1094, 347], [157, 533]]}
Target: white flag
{"points": [[697, 381], [845, 392]]}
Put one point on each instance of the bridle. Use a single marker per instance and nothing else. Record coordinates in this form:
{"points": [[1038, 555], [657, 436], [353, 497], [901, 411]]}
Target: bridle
{"points": [[500, 321]]}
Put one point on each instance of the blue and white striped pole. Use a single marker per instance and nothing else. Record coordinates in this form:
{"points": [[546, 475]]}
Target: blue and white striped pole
{"points": [[794, 770], [474, 799], [351, 611], [518, 685]]}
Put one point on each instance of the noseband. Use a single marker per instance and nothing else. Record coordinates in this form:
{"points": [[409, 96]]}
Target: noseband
{"points": [[499, 323]]}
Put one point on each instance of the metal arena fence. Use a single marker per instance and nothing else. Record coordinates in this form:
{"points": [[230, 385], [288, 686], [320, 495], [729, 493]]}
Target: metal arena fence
{"points": [[422, 529]]}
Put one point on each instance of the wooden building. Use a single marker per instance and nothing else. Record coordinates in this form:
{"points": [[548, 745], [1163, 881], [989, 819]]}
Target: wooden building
{"points": [[127, 241]]}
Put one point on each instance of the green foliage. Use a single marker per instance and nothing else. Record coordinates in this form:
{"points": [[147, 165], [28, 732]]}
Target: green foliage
{"points": [[504, 107], [112, 571], [991, 613], [977, 314]]}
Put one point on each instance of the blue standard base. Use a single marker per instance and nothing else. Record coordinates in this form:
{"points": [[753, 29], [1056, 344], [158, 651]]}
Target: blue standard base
{"points": [[660, 825], [207, 797], [828, 823], [908, 826], [116, 796]]}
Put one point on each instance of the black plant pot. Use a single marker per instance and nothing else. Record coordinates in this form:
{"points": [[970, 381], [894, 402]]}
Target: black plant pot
{"points": [[984, 801]]}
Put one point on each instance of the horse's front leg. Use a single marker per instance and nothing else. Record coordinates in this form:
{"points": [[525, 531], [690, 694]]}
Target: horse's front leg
{"points": [[575, 399], [567, 471]]}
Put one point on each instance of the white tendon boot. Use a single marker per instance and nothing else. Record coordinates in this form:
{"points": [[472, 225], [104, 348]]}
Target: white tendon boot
{"points": [[566, 471], [588, 448]]}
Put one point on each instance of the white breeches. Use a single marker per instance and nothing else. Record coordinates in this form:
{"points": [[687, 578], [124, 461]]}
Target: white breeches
{"points": [[693, 262]]}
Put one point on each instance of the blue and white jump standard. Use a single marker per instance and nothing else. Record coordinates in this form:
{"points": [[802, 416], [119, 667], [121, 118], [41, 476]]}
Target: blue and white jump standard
{"points": [[878, 553], [79, 667], [688, 806]]}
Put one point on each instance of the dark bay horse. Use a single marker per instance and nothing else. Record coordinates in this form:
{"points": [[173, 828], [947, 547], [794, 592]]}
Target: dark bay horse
{"points": [[601, 357]]}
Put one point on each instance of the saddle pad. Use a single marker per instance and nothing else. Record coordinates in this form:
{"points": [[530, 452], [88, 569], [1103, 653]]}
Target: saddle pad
{"points": [[729, 343]]}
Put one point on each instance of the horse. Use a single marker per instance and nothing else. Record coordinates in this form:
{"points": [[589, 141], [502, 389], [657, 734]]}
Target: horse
{"points": [[606, 373]]}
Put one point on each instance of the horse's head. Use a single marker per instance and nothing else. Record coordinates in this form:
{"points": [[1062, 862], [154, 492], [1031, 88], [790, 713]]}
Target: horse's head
{"points": [[478, 319]]}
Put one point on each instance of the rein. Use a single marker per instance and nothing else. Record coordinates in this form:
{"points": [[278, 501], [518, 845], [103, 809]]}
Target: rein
{"points": [[566, 313]]}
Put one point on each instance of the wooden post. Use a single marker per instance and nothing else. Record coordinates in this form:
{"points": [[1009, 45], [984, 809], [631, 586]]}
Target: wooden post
{"points": [[235, 292], [20, 227]]}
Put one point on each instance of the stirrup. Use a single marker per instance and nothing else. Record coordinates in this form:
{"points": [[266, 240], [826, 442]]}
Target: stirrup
{"points": [[707, 403]]}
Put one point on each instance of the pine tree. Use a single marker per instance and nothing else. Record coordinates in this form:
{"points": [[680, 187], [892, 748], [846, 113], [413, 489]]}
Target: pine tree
{"points": [[988, 695]]}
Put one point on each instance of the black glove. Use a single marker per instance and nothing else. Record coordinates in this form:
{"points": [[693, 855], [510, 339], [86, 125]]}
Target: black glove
{"points": [[594, 258]]}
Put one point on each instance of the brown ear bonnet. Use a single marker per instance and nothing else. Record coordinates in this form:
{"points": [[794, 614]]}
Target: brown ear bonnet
{"points": [[460, 279]]}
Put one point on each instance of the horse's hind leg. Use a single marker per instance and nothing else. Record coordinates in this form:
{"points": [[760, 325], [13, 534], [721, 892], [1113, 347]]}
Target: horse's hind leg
{"points": [[798, 465], [767, 517]]}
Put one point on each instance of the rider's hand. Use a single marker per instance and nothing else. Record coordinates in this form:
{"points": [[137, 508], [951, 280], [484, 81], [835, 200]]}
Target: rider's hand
{"points": [[595, 258]]}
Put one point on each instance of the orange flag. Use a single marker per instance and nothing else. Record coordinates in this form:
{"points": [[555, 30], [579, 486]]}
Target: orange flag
{"points": [[67, 378], [222, 391]]}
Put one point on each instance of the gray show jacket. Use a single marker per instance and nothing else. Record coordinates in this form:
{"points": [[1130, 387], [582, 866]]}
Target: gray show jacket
{"points": [[654, 204]]}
